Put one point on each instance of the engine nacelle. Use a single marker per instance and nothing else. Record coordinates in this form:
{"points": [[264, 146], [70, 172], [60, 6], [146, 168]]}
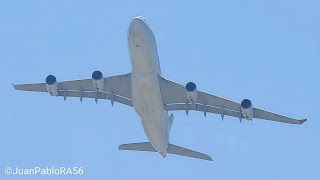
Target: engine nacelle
{"points": [[192, 92], [246, 109], [52, 85], [98, 80]]}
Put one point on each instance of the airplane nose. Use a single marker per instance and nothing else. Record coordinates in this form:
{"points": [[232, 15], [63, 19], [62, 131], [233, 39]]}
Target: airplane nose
{"points": [[140, 19], [138, 25]]}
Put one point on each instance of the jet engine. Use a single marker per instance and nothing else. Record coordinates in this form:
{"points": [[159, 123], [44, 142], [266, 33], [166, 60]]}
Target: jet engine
{"points": [[98, 80], [192, 92], [52, 85], [246, 109]]}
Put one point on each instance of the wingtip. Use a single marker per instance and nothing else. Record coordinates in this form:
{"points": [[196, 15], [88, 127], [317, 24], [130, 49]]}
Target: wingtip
{"points": [[120, 147], [207, 157], [13, 85], [302, 121]]}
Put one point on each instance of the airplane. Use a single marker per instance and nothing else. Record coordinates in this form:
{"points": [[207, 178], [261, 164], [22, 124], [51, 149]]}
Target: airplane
{"points": [[152, 96]]}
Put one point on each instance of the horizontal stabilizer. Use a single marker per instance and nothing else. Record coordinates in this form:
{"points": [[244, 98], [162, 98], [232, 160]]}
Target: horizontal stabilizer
{"points": [[144, 146], [172, 149]]}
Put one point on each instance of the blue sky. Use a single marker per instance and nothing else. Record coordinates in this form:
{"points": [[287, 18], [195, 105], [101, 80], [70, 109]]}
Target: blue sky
{"points": [[267, 51]]}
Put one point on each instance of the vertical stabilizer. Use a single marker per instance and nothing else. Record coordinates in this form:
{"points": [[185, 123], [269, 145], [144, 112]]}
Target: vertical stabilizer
{"points": [[171, 118]]}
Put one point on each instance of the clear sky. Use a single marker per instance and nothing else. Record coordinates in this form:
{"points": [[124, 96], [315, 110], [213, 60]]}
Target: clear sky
{"points": [[267, 51]]}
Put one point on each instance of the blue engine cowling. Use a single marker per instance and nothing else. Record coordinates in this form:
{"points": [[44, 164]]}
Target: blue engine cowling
{"points": [[192, 92], [52, 85], [247, 109], [98, 80]]}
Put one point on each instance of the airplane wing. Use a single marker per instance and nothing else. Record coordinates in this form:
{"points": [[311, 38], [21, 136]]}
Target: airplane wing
{"points": [[116, 88], [175, 98]]}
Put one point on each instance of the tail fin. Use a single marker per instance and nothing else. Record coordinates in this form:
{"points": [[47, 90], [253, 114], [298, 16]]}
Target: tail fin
{"points": [[171, 118], [172, 149]]}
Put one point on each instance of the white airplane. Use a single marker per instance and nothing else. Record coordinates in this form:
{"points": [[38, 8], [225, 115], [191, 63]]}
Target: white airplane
{"points": [[151, 95]]}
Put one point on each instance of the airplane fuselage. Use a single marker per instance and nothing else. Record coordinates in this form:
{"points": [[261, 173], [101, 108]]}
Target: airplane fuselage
{"points": [[146, 93]]}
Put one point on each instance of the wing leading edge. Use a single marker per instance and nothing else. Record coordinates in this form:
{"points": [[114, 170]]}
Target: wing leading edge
{"points": [[175, 98]]}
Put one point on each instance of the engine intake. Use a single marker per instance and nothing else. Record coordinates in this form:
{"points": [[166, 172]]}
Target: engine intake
{"points": [[192, 92], [246, 109], [98, 80], [52, 85]]}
